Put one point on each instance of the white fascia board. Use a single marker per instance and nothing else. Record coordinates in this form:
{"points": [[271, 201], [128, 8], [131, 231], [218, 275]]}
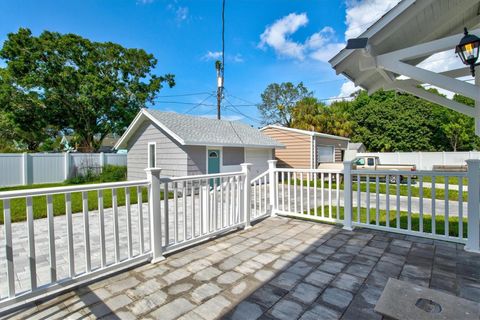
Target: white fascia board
{"points": [[279, 146], [130, 130], [374, 29]]}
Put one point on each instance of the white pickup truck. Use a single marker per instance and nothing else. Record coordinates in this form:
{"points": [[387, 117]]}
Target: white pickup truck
{"points": [[372, 163]]}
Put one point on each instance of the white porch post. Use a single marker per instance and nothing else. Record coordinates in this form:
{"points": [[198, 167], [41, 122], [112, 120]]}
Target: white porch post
{"points": [[473, 236], [247, 193], [66, 164], [347, 195], [153, 176], [272, 165], [25, 172]]}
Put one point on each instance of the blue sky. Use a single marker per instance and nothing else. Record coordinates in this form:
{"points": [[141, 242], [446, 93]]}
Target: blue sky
{"points": [[266, 41]]}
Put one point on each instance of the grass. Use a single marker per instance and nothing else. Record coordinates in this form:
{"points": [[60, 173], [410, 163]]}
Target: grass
{"points": [[451, 180], [453, 222], [415, 191]]}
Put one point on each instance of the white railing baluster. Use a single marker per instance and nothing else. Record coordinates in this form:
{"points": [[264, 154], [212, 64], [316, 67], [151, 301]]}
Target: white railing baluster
{"points": [[420, 185], [129, 223], [101, 223], [338, 195], [460, 207], [86, 232], [295, 192], [359, 199], [116, 239], [32, 261], [208, 207], [409, 210], [387, 201], [239, 199], [175, 209], [265, 197], [7, 225], [254, 197], [140, 218], [51, 239], [398, 203], [368, 199], [201, 204], [283, 191], [276, 192], [192, 204], [377, 200], [289, 191], [322, 191], [308, 193], [215, 206], [228, 198], [447, 204], [301, 193], [71, 254], [166, 212], [184, 208], [222, 206], [330, 195], [315, 200], [433, 213]]}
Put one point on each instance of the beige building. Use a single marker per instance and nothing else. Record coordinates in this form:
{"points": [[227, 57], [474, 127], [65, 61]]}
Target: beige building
{"points": [[305, 149]]}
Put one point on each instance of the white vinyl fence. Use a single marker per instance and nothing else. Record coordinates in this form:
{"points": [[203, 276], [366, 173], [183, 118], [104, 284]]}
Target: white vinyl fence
{"points": [[425, 160], [36, 168]]}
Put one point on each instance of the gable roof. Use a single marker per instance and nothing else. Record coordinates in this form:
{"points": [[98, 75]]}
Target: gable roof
{"points": [[306, 132], [194, 130]]}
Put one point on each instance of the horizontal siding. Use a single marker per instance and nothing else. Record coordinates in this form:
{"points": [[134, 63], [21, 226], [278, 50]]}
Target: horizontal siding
{"points": [[297, 148], [196, 160], [171, 156]]}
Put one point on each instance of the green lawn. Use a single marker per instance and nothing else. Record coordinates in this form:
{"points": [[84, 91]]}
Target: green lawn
{"points": [[453, 222], [18, 206], [415, 190], [451, 180]]}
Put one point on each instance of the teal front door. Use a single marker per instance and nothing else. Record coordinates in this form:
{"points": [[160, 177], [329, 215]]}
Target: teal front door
{"points": [[213, 162]]}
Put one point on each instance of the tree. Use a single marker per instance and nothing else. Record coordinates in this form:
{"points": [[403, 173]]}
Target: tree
{"points": [[278, 101], [311, 114], [72, 83]]}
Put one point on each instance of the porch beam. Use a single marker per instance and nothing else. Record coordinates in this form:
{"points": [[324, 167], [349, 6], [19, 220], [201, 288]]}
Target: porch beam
{"points": [[429, 77], [404, 85]]}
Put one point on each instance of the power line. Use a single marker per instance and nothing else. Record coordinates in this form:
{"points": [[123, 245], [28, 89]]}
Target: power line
{"points": [[189, 103], [184, 95], [199, 104]]}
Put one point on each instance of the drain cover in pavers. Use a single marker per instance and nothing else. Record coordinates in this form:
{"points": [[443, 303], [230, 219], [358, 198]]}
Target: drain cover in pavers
{"points": [[402, 300]]}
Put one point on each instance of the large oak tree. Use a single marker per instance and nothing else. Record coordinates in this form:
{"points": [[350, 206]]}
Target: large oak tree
{"points": [[67, 82]]}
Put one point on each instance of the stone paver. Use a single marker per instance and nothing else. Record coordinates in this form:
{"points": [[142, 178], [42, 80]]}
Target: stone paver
{"points": [[279, 269]]}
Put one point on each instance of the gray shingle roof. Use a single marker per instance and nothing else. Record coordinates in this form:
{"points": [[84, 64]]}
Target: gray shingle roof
{"points": [[194, 130]]}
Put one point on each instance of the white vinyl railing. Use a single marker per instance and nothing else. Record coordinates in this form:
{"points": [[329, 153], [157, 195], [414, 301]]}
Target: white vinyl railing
{"points": [[202, 207], [306, 193], [78, 243], [260, 196]]}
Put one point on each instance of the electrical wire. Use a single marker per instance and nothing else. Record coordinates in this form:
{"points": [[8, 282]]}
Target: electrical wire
{"points": [[184, 95], [199, 104]]}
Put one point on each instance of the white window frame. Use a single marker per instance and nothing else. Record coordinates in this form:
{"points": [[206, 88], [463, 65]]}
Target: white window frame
{"points": [[325, 145], [155, 154]]}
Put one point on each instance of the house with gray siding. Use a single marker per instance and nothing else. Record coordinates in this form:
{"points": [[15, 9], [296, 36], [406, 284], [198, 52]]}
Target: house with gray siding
{"points": [[189, 145]]}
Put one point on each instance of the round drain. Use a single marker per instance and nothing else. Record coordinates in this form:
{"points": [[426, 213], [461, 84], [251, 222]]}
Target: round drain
{"points": [[428, 305]]}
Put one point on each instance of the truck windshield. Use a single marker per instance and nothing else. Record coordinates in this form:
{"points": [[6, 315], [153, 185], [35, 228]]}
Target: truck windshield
{"points": [[360, 162], [371, 161]]}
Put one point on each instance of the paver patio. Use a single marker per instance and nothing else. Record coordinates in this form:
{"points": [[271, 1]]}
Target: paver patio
{"points": [[280, 268]]}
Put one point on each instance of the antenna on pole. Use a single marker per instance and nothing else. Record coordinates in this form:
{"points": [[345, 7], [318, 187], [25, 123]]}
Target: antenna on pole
{"points": [[220, 66]]}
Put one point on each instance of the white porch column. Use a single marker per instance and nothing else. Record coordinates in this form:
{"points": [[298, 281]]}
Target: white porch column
{"points": [[272, 165], [153, 175], [473, 227], [247, 193], [347, 195]]}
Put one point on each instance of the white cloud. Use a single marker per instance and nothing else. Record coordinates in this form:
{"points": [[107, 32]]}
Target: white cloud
{"points": [[217, 55], [319, 46], [442, 61], [181, 14], [277, 36], [144, 1], [348, 88], [361, 14]]}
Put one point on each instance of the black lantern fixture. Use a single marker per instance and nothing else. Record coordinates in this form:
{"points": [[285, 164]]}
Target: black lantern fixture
{"points": [[467, 49]]}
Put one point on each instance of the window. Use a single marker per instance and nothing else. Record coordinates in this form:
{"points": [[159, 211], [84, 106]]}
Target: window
{"points": [[325, 154], [360, 162], [371, 162], [213, 154], [152, 156]]}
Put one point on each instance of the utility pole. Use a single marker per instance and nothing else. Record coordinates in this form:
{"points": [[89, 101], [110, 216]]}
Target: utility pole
{"points": [[219, 67]]}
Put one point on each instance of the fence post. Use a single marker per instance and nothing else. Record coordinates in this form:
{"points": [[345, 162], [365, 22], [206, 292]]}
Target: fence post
{"points": [[25, 172], [272, 165], [102, 161], [153, 176], [347, 195], [247, 193], [66, 164], [473, 235]]}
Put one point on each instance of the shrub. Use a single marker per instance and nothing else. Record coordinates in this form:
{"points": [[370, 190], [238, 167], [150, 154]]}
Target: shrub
{"points": [[109, 174]]}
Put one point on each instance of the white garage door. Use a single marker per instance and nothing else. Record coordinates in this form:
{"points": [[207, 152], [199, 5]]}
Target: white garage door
{"points": [[259, 158]]}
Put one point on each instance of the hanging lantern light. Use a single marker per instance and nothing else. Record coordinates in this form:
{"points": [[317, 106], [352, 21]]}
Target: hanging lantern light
{"points": [[468, 49]]}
